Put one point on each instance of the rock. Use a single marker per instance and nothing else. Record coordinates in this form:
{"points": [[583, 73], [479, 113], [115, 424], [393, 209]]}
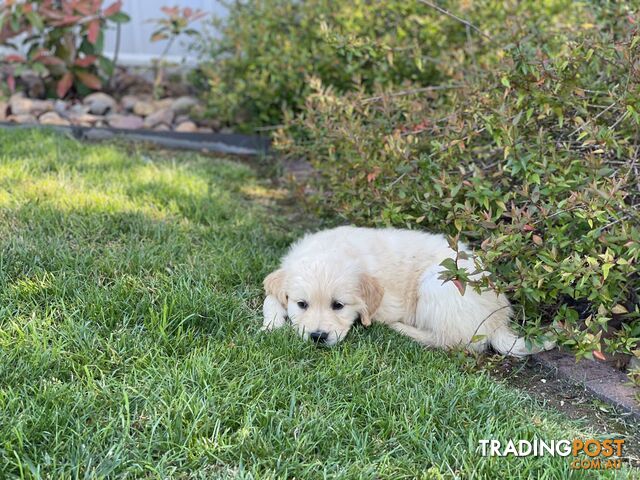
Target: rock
{"points": [[60, 107], [182, 118], [100, 103], [183, 104], [3, 111], [22, 118], [20, 105], [187, 127], [84, 119], [143, 108], [127, 122], [163, 127], [128, 102], [41, 106], [163, 103], [161, 116], [634, 363], [205, 130], [52, 118], [78, 109]]}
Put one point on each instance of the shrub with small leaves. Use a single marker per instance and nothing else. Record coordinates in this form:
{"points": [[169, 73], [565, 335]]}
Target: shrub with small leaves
{"points": [[533, 158], [266, 49]]}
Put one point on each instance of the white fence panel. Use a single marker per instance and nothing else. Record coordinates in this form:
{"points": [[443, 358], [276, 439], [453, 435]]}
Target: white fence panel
{"points": [[136, 47]]}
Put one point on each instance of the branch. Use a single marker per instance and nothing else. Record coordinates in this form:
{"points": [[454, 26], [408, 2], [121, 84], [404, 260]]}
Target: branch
{"points": [[413, 91], [455, 17]]}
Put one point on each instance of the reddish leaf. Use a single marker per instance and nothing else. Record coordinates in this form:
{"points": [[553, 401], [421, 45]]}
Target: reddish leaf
{"points": [[93, 31], [27, 8], [373, 175], [171, 11], [50, 60], [44, 57], [459, 285], [112, 9], [528, 228], [70, 19], [86, 61], [537, 239], [599, 355], [64, 84], [67, 7], [82, 8], [14, 58], [11, 83], [198, 15], [90, 80]]}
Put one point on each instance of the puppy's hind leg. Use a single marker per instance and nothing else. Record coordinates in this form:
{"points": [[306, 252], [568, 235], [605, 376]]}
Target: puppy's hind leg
{"points": [[275, 316], [424, 337]]}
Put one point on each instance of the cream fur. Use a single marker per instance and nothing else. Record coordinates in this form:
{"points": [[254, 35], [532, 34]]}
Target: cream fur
{"points": [[389, 276]]}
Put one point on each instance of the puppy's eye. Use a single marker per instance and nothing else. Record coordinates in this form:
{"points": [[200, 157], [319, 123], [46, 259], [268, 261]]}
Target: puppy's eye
{"points": [[337, 305], [303, 305]]}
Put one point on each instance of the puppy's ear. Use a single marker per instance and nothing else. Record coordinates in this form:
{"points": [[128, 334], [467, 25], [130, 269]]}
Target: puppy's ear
{"points": [[372, 293], [274, 285]]}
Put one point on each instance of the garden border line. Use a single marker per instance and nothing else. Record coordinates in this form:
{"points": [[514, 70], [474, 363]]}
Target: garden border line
{"points": [[600, 379], [228, 143]]}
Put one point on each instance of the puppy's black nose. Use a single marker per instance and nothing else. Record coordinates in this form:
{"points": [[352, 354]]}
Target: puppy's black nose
{"points": [[319, 337]]}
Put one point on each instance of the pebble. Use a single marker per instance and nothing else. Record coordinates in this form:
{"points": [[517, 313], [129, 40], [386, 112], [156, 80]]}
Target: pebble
{"points": [[187, 127], [127, 122], [100, 103], [52, 118], [161, 116], [183, 104]]}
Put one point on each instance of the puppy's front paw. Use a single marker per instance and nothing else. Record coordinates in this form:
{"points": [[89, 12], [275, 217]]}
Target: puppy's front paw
{"points": [[275, 316]]}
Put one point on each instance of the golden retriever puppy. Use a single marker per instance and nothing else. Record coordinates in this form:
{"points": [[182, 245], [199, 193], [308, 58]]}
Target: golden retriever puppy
{"points": [[331, 279]]}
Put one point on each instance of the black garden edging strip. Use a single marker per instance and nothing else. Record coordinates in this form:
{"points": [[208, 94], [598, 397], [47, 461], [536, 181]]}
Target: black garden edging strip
{"points": [[228, 143], [600, 379]]}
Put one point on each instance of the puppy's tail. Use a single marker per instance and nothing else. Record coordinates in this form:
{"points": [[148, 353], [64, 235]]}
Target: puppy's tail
{"points": [[506, 342]]}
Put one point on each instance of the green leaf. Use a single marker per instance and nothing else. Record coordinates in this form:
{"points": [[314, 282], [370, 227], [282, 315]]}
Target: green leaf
{"points": [[106, 65], [35, 20], [605, 269], [120, 17], [449, 264]]}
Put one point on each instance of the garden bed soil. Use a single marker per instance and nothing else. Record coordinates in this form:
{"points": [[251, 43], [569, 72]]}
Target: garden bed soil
{"points": [[544, 381]]}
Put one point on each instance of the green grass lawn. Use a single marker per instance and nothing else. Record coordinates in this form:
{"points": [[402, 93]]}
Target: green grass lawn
{"points": [[130, 298]]}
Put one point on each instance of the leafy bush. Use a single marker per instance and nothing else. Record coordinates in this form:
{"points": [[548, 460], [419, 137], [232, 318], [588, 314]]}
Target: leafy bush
{"points": [[268, 48], [63, 40], [534, 159]]}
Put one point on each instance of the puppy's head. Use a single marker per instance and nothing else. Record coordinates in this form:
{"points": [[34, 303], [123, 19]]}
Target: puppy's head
{"points": [[325, 297]]}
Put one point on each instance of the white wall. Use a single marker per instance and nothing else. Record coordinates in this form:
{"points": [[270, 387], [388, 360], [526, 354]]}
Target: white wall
{"points": [[135, 46]]}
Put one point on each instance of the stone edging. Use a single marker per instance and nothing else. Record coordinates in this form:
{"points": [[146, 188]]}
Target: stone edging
{"points": [[600, 379], [227, 143]]}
